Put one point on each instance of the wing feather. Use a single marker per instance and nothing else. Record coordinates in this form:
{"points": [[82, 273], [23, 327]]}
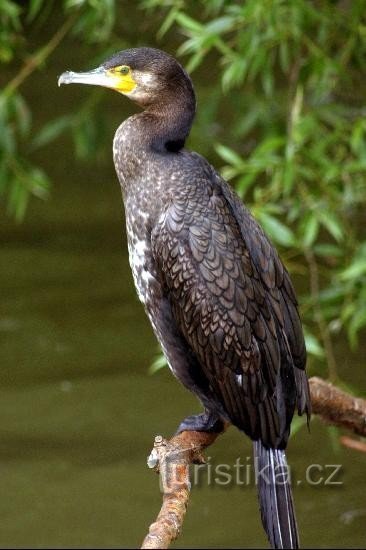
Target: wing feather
{"points": [[233, 302]]}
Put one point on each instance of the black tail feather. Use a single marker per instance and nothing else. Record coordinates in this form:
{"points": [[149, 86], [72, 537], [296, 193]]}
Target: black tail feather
{"points": [[275, 497]]}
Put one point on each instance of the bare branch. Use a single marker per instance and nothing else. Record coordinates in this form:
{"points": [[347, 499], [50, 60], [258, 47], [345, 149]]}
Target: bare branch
{"points": [[172, 458]]}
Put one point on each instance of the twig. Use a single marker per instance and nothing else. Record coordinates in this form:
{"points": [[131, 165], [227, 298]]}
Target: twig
{"points": [[323, 328], [352, 443], [35, 60], [172, 458]]}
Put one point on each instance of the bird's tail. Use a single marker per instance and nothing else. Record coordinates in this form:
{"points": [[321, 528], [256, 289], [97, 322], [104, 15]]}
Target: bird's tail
{"points": [[275, 496]]}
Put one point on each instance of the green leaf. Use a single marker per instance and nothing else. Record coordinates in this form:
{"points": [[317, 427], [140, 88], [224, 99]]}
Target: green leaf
{"points": [[310, 230], [297, 423], [188, 23], [35, 7], [195, 61], [313, 346], [22, 114], [51, 131], [12, 11], [325, 249], [220, 25], [288, 177], [245, 182], [334, 293], [168, 22], [279, 232], [270, 144], [332, 223], [355, 270], [158, 364], [38, 183], [357, 322], [228, 155], [234, 73]]}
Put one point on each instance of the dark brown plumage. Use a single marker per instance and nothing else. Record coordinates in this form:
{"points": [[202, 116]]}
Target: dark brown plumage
{"points": [[234, 303], [218, 297]]}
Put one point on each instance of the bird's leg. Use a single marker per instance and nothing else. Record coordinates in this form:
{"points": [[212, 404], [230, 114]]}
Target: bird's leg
{"points": [[204, 422]]}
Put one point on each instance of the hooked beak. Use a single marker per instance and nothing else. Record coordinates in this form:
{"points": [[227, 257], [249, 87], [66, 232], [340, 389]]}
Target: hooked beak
{"points": [[100, 76], [97, 77]]}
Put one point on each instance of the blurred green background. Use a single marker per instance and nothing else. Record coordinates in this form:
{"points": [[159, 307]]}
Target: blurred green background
{"points": [[281, 112]]}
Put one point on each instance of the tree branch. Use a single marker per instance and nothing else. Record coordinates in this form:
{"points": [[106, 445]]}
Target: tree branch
{"points": [[172, 458], [338, 407]]}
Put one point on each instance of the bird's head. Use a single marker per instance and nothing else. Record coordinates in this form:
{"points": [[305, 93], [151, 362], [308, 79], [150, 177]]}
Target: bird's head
{"points": [[145, 75]]}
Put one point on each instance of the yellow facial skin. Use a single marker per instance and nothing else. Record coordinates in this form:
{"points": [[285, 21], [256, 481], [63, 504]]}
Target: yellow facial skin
{"points": [[121, 79], [117, 78]]}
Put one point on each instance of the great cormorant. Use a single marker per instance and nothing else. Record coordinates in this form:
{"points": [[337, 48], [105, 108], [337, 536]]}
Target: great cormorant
{"points": [[219, 299]]}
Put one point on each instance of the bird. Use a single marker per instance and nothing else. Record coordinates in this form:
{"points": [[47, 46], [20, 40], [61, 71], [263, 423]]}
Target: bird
{"points": [[218, 297]]}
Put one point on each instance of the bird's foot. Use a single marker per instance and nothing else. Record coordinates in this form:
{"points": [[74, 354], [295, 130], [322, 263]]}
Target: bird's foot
{"points": [[204, 422]]}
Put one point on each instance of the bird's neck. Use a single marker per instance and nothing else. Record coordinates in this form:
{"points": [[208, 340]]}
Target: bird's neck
{"points": [[159, 129], [164, 127]]}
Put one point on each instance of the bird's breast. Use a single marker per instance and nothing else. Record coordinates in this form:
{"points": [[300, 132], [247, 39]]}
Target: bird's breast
{"points": [[142, 209], [140, 259], [130, 158]]}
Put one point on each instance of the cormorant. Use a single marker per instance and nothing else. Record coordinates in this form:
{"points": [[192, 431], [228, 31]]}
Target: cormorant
{"points": [[219, 299]]}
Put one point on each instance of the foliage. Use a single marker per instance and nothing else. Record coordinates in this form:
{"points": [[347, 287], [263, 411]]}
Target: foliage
{"points": [[289, 77], [19, 179], [301, 167]]}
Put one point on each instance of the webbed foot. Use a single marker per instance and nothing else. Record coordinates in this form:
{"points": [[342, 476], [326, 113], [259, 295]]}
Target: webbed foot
{"points": [[204, 422]]}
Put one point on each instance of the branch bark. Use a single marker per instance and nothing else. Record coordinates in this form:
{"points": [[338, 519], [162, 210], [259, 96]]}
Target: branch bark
{"points": [[338, 407], [172, 458]]}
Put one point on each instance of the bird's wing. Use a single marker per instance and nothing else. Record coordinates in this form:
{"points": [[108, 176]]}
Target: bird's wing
{"points": [[222, 308], [273, 275], [280, 293]]}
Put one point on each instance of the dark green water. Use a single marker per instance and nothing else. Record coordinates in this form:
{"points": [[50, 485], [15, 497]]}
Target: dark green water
{"points": [[78, 409]]}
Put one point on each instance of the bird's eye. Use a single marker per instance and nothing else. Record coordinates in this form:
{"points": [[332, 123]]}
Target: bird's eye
{"points": [[124, 69]]}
